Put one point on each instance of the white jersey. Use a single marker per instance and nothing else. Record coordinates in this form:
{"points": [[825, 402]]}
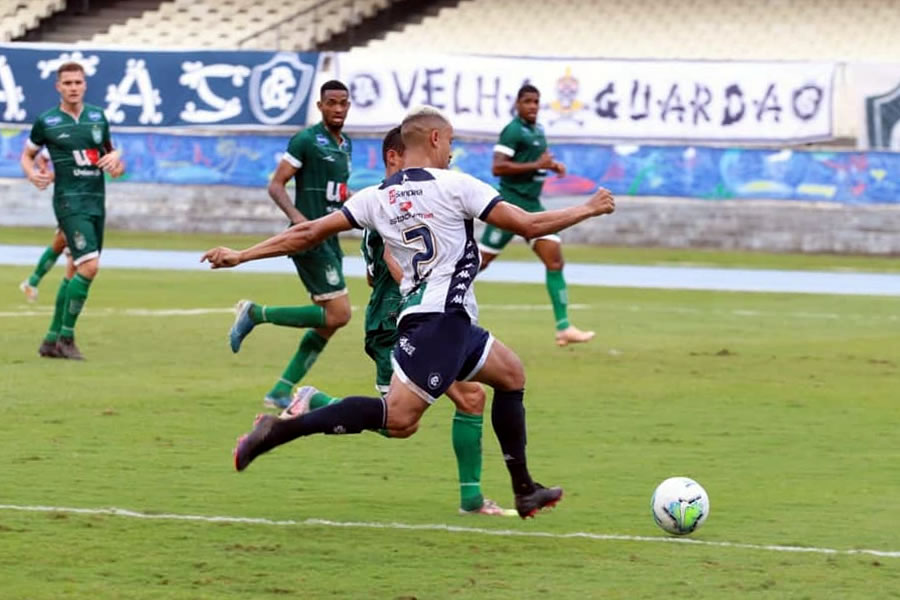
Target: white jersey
{"points": [[425, 217]]}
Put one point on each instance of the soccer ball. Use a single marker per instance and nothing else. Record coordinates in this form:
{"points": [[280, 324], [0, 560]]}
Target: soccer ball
{"points": [[679, 505]]}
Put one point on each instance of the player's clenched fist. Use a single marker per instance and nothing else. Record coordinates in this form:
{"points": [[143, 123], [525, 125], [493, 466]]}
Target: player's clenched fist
{"points": [[222, 257], [602, 202]]}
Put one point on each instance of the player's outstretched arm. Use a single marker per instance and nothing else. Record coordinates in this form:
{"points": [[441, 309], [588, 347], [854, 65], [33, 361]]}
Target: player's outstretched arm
{"points": [[532, 225], [299, 237]]}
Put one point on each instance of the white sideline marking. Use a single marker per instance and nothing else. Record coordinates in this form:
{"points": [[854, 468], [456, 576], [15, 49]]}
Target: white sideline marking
{"points": [[45, 311], [179, 312], [131, 514]]}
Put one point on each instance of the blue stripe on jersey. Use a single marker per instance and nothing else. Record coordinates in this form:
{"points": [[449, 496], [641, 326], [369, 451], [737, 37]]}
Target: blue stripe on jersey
{"points": [[489, 208], [350, 218], [404, 175], [463, 273]]}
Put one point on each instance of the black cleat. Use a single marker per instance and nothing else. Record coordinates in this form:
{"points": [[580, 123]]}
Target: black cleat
{"points": [[66, 348], [48, 350], [528, 505], [251, 445]]}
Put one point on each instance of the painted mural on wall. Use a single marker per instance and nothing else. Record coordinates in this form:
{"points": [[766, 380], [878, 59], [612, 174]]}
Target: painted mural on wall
{"points": [[695, 172]]}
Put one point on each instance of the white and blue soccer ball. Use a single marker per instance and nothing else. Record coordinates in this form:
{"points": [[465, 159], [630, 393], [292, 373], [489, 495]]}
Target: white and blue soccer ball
{"points": [[680, 505]]}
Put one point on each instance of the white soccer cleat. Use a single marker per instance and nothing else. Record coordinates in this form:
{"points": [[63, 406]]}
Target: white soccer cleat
{"points": [[573, 335], [491, 509], [31, 292], [299, 402]]}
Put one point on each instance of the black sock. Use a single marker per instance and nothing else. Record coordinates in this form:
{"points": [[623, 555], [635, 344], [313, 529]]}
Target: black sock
{"points": [[353, 414], [508, 419]]}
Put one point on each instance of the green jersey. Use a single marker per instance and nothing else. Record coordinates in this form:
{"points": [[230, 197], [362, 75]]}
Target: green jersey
{"points": [[323, 168], [75, 146], [522, 142], [384, 303]]}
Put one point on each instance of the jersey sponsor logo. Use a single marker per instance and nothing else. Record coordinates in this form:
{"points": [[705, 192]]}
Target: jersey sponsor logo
{"points": [[336, 192], [62, 136], [96, 134], [327, 158], [395, 194], [87, 157], [404, 344], [332, 276], [86, 172], [405, 205], [410, 215], [94, 116], [53, 120], [434, 381]]}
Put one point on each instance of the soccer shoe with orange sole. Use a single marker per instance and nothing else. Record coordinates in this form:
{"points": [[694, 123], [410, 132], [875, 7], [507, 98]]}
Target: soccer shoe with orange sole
{"points": [[490, 508], [251, 445], [573, 335], [528, 505]]}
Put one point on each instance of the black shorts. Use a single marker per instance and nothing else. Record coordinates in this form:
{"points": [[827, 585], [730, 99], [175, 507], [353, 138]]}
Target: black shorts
{"points": [[435, 349]]}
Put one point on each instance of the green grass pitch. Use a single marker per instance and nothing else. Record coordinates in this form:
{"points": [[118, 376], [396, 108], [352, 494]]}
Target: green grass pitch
{"points": [[785, 408]]}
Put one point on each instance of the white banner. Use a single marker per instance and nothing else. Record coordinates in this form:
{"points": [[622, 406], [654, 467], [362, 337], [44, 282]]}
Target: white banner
{"points": [[876, 94], [750, 102]]}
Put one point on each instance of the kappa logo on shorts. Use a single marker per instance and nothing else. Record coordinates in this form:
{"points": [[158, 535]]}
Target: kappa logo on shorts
{"points": [[406, 346], [434, 381]]}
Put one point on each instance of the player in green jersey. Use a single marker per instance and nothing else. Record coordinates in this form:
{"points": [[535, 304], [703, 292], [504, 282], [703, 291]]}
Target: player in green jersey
{"points": [[318, 159], [77, 137], [384, 275], [521, 160]]}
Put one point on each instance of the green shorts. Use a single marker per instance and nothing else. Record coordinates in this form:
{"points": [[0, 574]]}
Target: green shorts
{"points": [[322, 272], [494, 240], [379, 346], [84, 235]]}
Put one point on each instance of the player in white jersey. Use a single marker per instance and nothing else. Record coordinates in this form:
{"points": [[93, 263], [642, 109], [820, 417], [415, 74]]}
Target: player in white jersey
{"points": [[425, 215]]}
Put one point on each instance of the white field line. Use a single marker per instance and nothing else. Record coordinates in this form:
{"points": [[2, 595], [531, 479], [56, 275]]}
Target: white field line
{"points": [[130, 514], [44, 311]]}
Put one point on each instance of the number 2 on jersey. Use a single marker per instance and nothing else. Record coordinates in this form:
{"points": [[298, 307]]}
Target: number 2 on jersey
{"points": [[414, 236]]}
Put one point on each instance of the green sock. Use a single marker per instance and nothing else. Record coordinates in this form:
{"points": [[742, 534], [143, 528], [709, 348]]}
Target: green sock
{"points": [[56, 323], [467, 446], [48, 259], [320, 399], [559, 297], [76, 295], [311, 346], [289, 316]]}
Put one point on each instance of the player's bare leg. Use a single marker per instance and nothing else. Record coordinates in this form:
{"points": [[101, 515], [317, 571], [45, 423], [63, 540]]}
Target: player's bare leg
{"points": [[503, 371], [549, 250]]}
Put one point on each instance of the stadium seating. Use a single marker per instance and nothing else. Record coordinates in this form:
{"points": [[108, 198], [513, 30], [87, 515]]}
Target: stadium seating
{"points": [[701, 29], [18, 16], [263, 24]]}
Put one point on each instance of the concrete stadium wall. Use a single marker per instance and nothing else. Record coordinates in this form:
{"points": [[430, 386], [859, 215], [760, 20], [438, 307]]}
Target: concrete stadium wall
{"points": [[774, 226]]}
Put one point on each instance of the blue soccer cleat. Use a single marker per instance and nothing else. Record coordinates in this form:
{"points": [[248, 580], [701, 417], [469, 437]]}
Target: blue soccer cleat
{"points": [[242, 326], [279, 402]]}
